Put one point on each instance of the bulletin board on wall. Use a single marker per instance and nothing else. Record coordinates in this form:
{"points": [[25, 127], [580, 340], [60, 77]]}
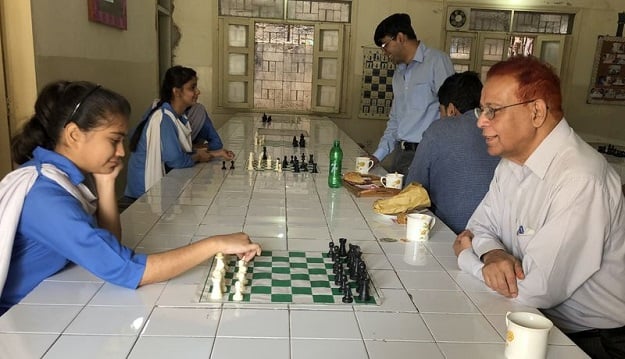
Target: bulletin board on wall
{"points": [[607, 85], [377, 88]]}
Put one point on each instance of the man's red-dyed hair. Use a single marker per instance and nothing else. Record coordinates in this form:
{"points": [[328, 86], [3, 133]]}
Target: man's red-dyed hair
{"points": [[536, 80]]}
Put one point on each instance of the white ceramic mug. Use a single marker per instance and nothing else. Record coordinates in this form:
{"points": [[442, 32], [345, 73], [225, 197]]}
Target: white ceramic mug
{"points": [[526, 335], [392, 180], [418, 227], [363, 165]]}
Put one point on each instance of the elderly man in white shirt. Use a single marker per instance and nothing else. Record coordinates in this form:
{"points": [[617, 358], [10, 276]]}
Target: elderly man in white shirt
{"points": [[550, 232]]}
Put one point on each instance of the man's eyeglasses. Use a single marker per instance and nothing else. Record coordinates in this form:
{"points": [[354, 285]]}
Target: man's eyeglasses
{"points": [[490, 112], [383, 46]]}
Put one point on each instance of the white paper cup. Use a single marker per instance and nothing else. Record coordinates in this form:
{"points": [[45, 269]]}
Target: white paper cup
{"points": [[418, 227], [363, 165], [415, 254], [392, 180], [526, 336]]}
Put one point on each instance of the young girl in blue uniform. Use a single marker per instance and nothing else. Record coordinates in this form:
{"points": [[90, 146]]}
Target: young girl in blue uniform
{"points": [[60, 207], [163, 140]]}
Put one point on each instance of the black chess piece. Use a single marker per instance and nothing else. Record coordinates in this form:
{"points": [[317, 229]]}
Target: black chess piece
{"points": [[223, 165], [314, 168], [302, 141], [310, 159], [295, 143], [335, 267], [342, 249], [303, 158], [231, 165], [264, 117], [296, 166], [338, 277], [304, 167], [269, 119], [363, 294], [264, 153], [347, 293], [331, 246]]}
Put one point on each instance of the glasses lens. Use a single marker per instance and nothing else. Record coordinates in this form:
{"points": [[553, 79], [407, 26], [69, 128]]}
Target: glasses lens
{"points": [[478, 112]]}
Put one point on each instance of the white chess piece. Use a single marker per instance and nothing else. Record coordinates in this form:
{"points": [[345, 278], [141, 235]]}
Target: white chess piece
{"points": [[278, 166], [260, 160], [216, 292], [250, 162], [238, 292]]}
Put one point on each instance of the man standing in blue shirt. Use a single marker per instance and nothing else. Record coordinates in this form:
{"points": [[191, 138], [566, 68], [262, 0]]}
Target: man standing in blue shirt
{"points": [[452, 162], [420, 72]]}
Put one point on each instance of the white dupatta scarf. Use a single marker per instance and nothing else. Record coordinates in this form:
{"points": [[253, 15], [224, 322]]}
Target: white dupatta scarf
{"points": [[13, 190], [154, 167]]}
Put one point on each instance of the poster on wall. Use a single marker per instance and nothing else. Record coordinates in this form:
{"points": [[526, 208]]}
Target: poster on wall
{"points": [[377, 89], [108, 12], [607, 85]]}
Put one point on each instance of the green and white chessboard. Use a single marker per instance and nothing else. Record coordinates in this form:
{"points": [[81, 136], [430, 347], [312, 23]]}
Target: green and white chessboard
{"points": [[288, 277]]}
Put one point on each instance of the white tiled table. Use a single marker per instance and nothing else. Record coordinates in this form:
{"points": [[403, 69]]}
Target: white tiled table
{"points": [[430, 309]]}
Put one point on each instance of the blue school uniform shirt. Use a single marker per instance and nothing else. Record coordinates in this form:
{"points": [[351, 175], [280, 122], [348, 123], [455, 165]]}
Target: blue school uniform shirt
{"points": [[172, 153], [54, 230]]}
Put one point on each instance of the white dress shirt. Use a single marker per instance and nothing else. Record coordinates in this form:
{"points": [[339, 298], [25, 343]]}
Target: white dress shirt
{"points": [[562, 215]]}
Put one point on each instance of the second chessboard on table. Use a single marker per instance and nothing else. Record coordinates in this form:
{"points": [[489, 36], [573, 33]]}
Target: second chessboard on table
{"points": [[288, 277]]}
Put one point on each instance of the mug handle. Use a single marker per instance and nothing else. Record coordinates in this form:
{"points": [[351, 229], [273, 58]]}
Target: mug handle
{"points": [[432, 222], [383, 180], [507, 321], [371, 164]]}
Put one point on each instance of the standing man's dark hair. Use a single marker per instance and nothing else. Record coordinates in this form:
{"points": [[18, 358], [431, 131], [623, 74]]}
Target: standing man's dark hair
{"points": [[393, 25]]}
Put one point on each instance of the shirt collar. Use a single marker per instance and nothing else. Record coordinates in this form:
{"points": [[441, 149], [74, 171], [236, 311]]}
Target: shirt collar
{"points": [[419, 56], [42, 155], [539, 161]]}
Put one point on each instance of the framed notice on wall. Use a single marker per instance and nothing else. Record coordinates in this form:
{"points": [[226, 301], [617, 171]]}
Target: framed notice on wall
{"points": [[108, 12], [607, 85]]}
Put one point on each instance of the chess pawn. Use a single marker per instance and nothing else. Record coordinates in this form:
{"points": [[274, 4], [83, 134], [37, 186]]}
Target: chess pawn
{"points": [[260, 160], [279, 167], [238, 292], [269, 161]]}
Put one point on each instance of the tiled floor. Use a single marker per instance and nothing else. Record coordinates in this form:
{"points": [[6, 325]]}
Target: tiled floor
{"points": [[429, 310]]}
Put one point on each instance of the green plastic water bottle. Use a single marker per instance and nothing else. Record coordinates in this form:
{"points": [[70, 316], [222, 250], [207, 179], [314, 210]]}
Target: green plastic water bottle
{"points": [[336, 163]]}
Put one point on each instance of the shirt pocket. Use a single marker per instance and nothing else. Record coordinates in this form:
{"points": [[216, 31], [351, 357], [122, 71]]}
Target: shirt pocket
{"points": [[420, 95], [522, 241]]}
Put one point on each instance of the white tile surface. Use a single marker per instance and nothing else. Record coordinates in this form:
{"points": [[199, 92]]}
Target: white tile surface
{"points": [[26, 318], [90, 346], [110, 321], [427, 280], [73, 293], [429, 301], [172, 347], [324, 325], [185, 322], [254, 323], [256, 348], [393, 326], [327, 349], [111, 294], [383, 349], [25, 346], [461, 328]]}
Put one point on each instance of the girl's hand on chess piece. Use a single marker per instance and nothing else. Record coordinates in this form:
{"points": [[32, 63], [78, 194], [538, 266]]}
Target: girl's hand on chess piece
{"points": [[223, 153], [239, 244]]}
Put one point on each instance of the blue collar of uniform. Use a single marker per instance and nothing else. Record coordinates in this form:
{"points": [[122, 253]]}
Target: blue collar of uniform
{"points": [[41, 156]]}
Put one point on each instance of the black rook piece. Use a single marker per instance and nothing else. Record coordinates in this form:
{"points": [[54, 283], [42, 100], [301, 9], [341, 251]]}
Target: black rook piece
{"points": [[342, 250]]}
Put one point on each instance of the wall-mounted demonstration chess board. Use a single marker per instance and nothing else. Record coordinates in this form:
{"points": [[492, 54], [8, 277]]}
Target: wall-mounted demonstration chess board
{"points": [[377, 89], [289, 277]]}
